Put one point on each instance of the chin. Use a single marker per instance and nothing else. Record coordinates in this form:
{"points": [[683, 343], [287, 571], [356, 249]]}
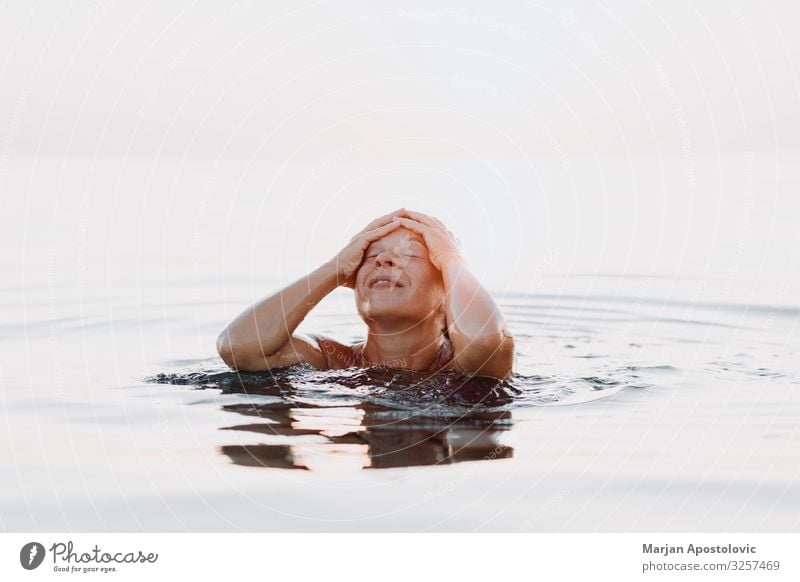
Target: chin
{"points": [[383, 304], [387, 305]]}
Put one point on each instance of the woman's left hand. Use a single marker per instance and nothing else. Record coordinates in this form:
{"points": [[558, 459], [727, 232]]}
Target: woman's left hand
{"points": [[443, 246]]}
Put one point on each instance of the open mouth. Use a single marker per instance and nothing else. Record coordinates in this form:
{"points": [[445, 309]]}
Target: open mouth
{"points": [[384, 282]]}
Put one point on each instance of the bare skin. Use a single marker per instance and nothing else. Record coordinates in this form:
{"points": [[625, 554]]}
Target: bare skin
{"points": [[411, 283]]}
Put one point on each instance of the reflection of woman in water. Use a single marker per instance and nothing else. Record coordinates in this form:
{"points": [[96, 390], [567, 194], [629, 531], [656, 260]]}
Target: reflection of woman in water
{"points": [[423, 308]]}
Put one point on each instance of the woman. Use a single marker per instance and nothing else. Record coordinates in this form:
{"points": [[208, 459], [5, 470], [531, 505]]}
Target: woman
{"points": [[423, 308]]}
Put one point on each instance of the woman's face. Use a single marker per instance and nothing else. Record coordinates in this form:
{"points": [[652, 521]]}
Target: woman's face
{"points": [[397, 280]]}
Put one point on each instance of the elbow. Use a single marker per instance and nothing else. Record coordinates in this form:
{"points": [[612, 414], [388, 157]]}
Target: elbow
{"points": [[229, 354], [489, 356], [505, 357], [237, 357], [225, 349]]}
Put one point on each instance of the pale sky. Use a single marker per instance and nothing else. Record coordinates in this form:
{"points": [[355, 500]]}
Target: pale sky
{"points": [[579, 137]]}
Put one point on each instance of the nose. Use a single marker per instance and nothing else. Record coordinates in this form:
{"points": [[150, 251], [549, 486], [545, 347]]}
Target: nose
{"points": [[385, 259]]}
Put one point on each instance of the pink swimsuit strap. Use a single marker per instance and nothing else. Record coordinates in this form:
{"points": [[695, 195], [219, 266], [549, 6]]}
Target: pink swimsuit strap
{"points": [[358, 356]]}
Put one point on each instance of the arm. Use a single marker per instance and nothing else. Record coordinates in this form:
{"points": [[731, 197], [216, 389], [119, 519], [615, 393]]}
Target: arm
{"points": [[481, 341], [262, 337]]}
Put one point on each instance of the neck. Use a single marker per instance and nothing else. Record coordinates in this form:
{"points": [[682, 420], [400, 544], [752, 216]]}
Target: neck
{"points": [[414, 347]]}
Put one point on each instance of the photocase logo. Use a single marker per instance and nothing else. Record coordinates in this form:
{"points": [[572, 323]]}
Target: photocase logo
{"points": [[31, 555]]}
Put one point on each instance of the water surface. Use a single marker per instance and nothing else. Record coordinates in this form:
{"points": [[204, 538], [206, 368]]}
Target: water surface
{"points": [[629, 410]]}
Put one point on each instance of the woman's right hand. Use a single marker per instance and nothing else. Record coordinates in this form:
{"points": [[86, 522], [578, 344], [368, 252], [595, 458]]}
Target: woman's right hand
{"points": [[350, 257]]}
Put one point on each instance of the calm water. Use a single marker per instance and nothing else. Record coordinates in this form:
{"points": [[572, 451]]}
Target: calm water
{"points": [[638, 404]]}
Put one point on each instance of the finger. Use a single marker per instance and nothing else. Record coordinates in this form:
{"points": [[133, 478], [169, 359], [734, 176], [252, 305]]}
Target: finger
{"points": [[439, 222], [414, 225], [423, 218], [377, 223], [385, 219], [427, 219], [377, 233]]}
